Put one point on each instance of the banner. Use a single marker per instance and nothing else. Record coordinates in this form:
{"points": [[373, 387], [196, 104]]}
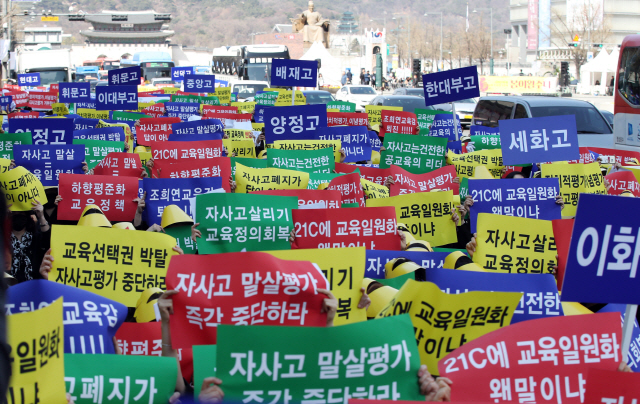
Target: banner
{"points": [[542, 361], [7, 140], [36, 356], [240, 148], [154, 130], [116, 98], [427, 215], [44, 131], [195, 129], [127, 76], [20, 188], [336, 145], [574, 180], [610, 156], [244, 222], [348, 119], [377, 259], [114, 195], [341, 106], [518, 84], [23, 115], [42, 101], [258, 179], [310, 362], [407, 183], [245, 288], [330, 199], [294, 123], [439, 87], [425, 118], [398, 122], [182, 110], [620, 181], [416, 154], [47, 162], [96, 150], [213, 167], [320, 161], [374, 113], [120, 165], [177, 151], [350, 189], [113, 263], [353, 139], [515, 244], [294, 73], [372, 228]]}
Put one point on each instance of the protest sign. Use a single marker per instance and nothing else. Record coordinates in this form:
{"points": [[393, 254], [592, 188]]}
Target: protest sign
{"points": [[90, 321], [341, 106], [633, 357], [258, 179], [451, 85], [407, 183], [373, 174], [542, 360], [398, 122], [200, 83], [432, 314], [128, 76], [155, 129], [611, 156], [539, 140], [151, 109], [466, 163], [120, 378], [313, 362], [515, 244], [245, 148], [92, 113], [238, 134], [47, 162], [114, 195], [223, 110], [204, 365], [7, 140], [182, 234], [285, 97], [244, 222], [96, 150], [427, 214], [377, 259], [311, 161], [182, 110], [562, 229], [443, 125], [373, 191], [20, 188], [113, 263], [178, 73], [620, 181], [116, 97], [309, 145], [478, 130], [354, 140], [59, 109], [532, 198], [481, 143], [42, 101], [425, 119], [197, 130], [20, 98], [241, 289], [374, 113], [23, 115], [416, 154], [348, 119], [244, 107], [44, 131], [574, 180], [252, 163], [29, 79], [611, 387], [330, 199], [373, 228], [120, 165], [178, 151], [223, 94], [6, 101], [350, 188], [294, 73], [267, 98], [36, 357], [294, 123], [315, 179], [75, 92], [213, 167]]}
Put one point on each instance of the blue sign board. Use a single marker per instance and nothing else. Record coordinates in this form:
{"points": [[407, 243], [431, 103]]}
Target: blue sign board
{"points": [[294, 123], [602, 266], [29, 79], [222, 83], [375, 140], [74, 92], [44, 131], [200, 83], [206, 129], [182, 110], [6, 101], [89, 105], [112, 134], [355, 141], [49, 161], [443, 126], [633, 360], [90, 320], [258, 113], [116, 98], [178, 73], [85, 123], [128, 76], [539, 140], [292, 73], [451, 85], [531, 198], [478, 130], [377, 259]]}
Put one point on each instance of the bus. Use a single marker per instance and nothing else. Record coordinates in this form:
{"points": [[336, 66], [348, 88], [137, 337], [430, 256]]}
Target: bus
{"points": [[153, 64], [103, 63], [626, 96], [246, 62], [84, 73]]}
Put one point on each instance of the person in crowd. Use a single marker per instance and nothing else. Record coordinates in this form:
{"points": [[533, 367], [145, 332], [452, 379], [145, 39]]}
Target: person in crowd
{"points": [[362, 76], [30, 238], [349, 77], [343, 80]]}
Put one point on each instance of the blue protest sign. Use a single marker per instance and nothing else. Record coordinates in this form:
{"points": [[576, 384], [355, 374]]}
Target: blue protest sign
{"points": [[633, 360], [292, 73], [222, 83], [84, 123], [128, 76], [531, 198], [6, 101], [88, 105], [375, 141], [451, 85], [182, 110], [477, 130], [29, 79], [258, 113], [539, 140], [162, 192], [602, 266], [44, 131], [116, 97], [200, 83], [90, 321], [377, 259], [355, 141], [540, 294], [206, 129], [178, 73], [294, 123], [49, 161], [113, 134], [443, 126], [74, 92]]}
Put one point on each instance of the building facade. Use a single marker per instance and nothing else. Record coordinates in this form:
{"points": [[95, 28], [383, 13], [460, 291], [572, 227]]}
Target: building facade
{"points": [[129, 27]]}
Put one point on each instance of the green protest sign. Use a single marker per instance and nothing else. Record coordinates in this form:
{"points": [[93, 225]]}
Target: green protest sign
{"points": [[210, 100], [234, 97], [309, 161], [193, 99], [106, 379], [316, 179], [204, 365], [128, 116], [342, 106], [96, 150], [268, 99], [464, 188], [416, 154], [249, 162], [244, 222], [182, 234], [483, 143], [361, 360], [426, 117], [7, 140]]}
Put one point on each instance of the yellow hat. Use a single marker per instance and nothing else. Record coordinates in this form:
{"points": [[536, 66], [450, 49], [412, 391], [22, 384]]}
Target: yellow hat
{"points": [[627, 193], [419, 245], [408, 236], [380, 298], [573, 309], [451, 260], [375, 157], [482, 173], [262, 154], [172, 214], [324, 185], [398, 267], [93, 219], [144, 306], [124, 226], [633, 160], [140, 149]]}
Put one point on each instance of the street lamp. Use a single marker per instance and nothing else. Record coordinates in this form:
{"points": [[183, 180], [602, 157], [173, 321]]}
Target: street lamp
{"points": [[441, 16], [508, 34], [408, 28], [490, 60]]}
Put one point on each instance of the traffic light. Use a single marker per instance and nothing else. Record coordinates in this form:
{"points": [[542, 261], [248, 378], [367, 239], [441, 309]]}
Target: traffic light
{"points": [[416, 66], [597, 45], [574, 44], [564, 74]]}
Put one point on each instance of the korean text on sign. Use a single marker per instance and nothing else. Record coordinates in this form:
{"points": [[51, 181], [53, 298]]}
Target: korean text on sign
{"points": [[29, 79], [128, 76], [200, 83], [291, 73], [74, 92], [117, 97], [451, 85], [298, 122]]}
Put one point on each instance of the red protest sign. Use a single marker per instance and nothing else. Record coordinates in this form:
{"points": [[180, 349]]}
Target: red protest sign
{"points": [[156, 110], [331, 199], [55, 88], [42, 100], [562, 230], [373, 228], [407, 183], [373, 174], [155, 129], [150, 93], [241, 289], [218, 109], [146, 339], [226, 116], [11, 87], [120, 164], [623, 181], [347, 118], [186, 93], [585, 157], [398, 122], [350, 188], [213, 167], [114, 196], [537, 361], [612, 387], [610, 156], [196, 150], [23, 115]]}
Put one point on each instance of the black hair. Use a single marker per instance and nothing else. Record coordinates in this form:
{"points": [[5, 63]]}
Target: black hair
{"points": [[513, 174]]}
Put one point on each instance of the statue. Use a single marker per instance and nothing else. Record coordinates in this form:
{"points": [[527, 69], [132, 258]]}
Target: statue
{"points": [[312, 26]]}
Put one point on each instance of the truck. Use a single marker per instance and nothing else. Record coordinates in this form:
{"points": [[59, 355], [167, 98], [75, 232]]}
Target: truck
{"points": [[626, 96], [246, 62], [153, 64], [53, 65]]}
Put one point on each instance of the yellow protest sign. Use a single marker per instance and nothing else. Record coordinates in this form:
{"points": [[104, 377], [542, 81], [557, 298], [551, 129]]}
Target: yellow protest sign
{"points": [[259, 179], [575, 179], [466, 163], [240, 148], [59, 109], [128, 137], [444, 322], [143, 105], [427, 214], [36, 339], [245, 107], [257, 126], [20, 188], [239, 134], [114, 263], [309, 145], [373, 190], [284, 99], [5, 164], [375, 113], [145, 89], [344, 269], [171, 90], [92, 113], [223, 94], [509, 244]]}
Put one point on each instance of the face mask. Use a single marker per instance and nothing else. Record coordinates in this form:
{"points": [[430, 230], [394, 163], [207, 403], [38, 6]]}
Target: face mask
{"points": [[19, 222]]}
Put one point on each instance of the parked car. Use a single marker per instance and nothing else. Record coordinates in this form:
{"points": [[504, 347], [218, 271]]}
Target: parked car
{"points": [[359, 95], [408, 103], [97, 83], [608, 116], [593, 128], [247, 88], [464, 110], [417, 92], [318, 97]]}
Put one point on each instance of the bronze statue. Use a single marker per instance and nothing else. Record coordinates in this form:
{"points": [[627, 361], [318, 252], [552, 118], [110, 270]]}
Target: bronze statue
{"points": [[312, 26]]}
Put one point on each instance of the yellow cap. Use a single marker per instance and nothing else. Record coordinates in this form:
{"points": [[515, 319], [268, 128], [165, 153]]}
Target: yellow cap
{"points": [[144, 306], [262, 154], [451, 259], [324, 185], [408, 236], [573, 309], [172, 214], [398, 267], [380, 298], [124, 226], [482, 173], [93, 219], [140, 149], [375, 157], [632, 160], [419, 245], [627, 193]]}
